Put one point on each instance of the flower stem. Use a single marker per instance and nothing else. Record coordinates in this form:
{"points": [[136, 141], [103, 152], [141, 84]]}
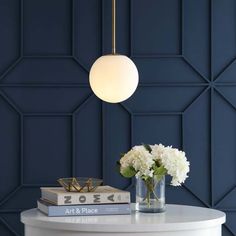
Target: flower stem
{"points": [[150, 185], [148, 198]]}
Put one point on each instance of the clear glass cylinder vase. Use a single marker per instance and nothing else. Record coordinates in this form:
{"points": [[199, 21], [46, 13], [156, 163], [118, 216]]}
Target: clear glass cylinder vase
{"points": [[150, 195]]}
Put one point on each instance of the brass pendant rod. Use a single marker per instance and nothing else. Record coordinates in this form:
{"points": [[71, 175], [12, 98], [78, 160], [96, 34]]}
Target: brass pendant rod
{"points": [[113, 27]]}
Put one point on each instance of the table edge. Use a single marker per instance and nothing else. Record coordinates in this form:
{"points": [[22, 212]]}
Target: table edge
{"points": [[122, 227]]}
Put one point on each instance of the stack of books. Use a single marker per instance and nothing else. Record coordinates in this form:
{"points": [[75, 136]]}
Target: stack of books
{"points": [[105, 200]]}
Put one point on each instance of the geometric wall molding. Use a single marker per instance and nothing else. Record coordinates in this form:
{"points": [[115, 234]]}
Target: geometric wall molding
{"points": [[185, 52]]}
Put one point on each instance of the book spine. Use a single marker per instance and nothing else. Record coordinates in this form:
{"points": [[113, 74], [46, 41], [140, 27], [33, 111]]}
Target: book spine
{"points": [[91, 210], [95, 198]]}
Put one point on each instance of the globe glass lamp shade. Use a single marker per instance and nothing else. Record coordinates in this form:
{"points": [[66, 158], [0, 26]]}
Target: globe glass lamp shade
{"points": [[113, 78]]}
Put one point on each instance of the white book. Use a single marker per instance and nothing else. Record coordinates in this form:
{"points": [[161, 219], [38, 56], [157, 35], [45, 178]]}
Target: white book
{"points": [[101, 195]]}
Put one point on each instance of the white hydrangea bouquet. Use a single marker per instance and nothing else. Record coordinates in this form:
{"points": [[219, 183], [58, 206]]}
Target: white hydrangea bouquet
{"points": [[154, 161]]}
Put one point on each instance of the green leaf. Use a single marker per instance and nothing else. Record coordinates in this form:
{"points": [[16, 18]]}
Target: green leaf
{"points": [[148, 148], [122, 154], [157, 163], [118, 166], [159, 172], [128, 172]]}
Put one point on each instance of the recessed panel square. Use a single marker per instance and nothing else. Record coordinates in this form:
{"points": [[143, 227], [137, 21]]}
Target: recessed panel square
{"points": [[156, 27], [47, 149], [155, 129], [47, 26], [224, 165], [9, 149], [10, 33]]}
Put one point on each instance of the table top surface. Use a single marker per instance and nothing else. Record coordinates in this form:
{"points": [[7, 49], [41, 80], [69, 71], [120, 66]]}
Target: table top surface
{"points": [[176, 217]]}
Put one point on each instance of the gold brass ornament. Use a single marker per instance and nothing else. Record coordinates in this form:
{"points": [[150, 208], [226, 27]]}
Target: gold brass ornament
{"points": [[80, 184]]}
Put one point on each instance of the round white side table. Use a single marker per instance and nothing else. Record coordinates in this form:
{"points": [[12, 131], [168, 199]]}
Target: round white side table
{"points": [[178, 220]]}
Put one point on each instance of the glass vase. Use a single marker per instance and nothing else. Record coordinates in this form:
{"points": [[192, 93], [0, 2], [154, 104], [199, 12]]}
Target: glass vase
{"points": [[150, 195]]}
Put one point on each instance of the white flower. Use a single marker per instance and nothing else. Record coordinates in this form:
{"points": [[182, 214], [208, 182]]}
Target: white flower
{"points": [[157, 151], [176, 164], [140, 159], [143, 162]]}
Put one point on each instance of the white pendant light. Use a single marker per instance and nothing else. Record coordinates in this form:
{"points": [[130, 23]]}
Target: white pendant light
{"points": [[113, 78]]}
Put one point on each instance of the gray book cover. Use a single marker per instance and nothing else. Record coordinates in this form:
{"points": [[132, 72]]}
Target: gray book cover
{"points": [[83, 210]]}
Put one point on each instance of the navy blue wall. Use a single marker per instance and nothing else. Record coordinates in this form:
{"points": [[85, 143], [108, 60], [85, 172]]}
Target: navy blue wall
{"points": [[51, 124]]}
